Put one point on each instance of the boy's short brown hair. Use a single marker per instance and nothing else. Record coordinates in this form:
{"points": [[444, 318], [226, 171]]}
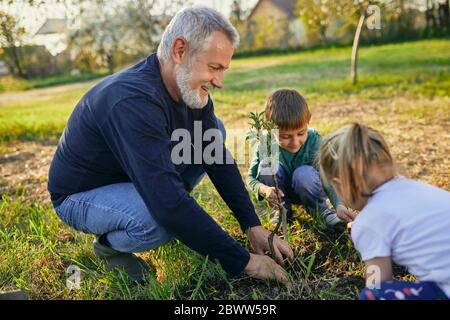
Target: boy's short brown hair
{"points": [[287, 109]]}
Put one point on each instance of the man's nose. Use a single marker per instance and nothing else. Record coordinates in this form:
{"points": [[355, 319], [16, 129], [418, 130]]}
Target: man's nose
{"points": [[217, 81]]}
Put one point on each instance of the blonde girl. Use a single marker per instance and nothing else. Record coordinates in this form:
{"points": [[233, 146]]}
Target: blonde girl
{"points": [[400, 220]]}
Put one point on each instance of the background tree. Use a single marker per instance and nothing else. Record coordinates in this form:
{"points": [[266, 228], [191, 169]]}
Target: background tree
{"points": [[236, 13], [317, 16], [330, 21], [239, 18], [102, 33], [11, 36], [437, 17], [146, 19], [117, 33], [269, 33]]}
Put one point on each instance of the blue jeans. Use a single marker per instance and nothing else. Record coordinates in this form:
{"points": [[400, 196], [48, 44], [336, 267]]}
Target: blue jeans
{"points": [[304, 188], [118, 212], [404, 290]]}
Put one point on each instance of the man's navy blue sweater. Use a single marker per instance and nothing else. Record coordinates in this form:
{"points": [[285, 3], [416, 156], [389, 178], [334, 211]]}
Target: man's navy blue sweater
{"points": [[120, 131]]}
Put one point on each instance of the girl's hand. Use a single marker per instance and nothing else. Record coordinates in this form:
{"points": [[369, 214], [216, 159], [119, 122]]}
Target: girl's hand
{"points": [[344, 214], [271, 195]]}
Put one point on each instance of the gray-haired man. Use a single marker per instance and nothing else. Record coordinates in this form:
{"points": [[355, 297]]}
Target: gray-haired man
{"points": [[113, 175]]}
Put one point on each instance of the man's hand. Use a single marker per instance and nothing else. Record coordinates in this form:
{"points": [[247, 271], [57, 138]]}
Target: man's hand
{"points": [[270, 194], [258, 237], [344, 214], [263, 267]]}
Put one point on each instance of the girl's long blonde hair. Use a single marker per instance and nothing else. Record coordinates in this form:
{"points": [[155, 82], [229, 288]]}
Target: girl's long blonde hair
{"points": [[348, 153]]}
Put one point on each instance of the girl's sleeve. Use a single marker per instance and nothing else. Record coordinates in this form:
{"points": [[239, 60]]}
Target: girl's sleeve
{"points": [[369, 242]]}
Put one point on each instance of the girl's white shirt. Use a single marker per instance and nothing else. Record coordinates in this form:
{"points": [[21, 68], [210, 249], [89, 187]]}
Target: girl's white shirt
{"points": [[410, 222]]}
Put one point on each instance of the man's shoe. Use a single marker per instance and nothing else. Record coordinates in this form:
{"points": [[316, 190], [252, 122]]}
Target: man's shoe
{"points": [[134, 267]]}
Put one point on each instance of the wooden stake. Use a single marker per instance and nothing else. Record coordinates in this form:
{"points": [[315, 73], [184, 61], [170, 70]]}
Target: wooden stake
{"points": [[353, 71]]}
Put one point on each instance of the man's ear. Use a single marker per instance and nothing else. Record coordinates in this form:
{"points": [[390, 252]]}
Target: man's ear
{"points": [[179, 49]]}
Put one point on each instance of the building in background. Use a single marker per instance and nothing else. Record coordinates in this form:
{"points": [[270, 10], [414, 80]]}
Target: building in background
{"points": [[53, 34], [278, 18]]}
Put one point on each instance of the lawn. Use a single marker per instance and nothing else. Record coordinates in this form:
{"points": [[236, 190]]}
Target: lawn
{"points": [[403, 90]]}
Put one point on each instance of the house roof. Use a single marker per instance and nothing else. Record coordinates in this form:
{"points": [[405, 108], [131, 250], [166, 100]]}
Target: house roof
{"points": [[287, 6], [53, 26]]}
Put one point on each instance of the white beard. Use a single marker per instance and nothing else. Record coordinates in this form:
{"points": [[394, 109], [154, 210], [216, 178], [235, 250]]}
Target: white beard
{"points": [[191, 97]]}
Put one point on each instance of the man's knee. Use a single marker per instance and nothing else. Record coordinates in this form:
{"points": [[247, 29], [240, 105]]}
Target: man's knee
{"points": [[222, 129], [148, 234], [306, 178], [156, 238], [149, 238]]}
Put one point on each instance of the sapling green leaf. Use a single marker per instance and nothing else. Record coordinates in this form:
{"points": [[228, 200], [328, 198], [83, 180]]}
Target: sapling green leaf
{"points": [[261, 136]]}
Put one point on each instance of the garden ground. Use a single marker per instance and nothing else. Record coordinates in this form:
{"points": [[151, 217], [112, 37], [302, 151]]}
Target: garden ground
{"points": [[403, 90]]}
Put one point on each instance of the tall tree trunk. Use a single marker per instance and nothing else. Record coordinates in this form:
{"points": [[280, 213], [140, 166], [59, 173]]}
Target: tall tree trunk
{"points": [[428, 18]]}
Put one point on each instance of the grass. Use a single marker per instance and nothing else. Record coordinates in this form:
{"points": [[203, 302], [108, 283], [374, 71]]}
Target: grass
{"points": [[11, 84], [403, 90], [321, 75], [37, 249]]}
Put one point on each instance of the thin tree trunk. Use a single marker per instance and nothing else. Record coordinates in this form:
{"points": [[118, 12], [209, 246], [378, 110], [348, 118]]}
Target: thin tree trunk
{"points": [[433, 16], [282, 219], [353, 71], [443, 13], [18, 65], [111, 63]]}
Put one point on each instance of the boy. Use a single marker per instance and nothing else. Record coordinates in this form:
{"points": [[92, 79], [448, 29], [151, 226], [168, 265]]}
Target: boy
{"points": [[298, 174]]}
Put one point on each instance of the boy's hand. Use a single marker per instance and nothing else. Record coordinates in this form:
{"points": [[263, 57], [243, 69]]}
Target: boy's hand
{"points": [[271, 195], [259, 240], [263, 267], [344, 214]]}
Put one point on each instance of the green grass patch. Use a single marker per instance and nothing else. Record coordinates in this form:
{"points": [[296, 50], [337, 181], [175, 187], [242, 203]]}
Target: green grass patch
{"points": [[13, 84], [322, 75], [65, 79]]}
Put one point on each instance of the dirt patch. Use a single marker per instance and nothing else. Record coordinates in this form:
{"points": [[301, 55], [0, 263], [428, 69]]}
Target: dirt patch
{"points": [[417, 132], [25, 166], [420, 145]]}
